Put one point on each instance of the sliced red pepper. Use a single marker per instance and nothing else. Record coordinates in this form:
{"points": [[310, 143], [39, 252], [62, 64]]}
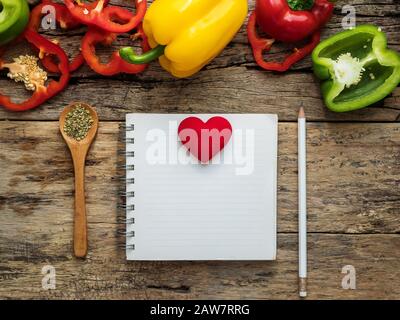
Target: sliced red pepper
{"points": [[110, 18], [41, 94], [292, 20], [116, 64], [260, 45], [66, 21], [288, 21]]}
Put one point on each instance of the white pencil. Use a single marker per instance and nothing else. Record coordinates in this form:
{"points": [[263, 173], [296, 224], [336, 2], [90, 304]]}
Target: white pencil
{"points": [[302, 163]]}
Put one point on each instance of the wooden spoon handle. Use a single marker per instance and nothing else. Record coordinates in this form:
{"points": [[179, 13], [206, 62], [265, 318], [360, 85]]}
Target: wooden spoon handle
{"points": [[80, 224]]}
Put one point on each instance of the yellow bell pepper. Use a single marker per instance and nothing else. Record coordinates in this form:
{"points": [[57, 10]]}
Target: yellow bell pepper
{"points": [[187, 34]]}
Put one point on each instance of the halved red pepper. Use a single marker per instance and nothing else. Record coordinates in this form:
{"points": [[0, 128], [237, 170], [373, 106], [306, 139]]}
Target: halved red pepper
{"points": [[41, 93], [287, 21], [110, 18], [66, 21], [116, 64]]}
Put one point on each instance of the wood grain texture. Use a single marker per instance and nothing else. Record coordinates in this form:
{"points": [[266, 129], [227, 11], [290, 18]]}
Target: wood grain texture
{"points": [[235, 90], [353, 177], [231, 83], [106, 275], [353, 219]]}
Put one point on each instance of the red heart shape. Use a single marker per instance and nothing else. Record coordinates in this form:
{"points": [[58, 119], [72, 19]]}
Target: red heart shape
{"points": [[205, 140]]}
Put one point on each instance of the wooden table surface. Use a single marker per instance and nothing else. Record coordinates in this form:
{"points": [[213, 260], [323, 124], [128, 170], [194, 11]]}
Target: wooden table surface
{"points": [[353, 200]]}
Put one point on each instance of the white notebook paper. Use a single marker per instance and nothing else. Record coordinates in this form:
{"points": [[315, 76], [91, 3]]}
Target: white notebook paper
{"points": [[179, 209]]}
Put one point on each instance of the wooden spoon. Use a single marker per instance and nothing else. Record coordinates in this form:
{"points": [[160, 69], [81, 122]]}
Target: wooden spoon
{"points": [[79, 150]]}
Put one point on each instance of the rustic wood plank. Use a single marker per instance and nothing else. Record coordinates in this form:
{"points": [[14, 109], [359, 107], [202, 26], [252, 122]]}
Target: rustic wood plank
{"points": [[353, 177], [231, 83], [235, 90], [36, 203], [106, 275]]}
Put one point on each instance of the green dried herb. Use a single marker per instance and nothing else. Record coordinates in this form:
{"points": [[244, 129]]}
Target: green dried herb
{"points": [[78, 123]]}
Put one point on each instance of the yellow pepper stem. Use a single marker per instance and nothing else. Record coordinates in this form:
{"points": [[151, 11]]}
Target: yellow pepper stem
{"points": [[129, 55]]}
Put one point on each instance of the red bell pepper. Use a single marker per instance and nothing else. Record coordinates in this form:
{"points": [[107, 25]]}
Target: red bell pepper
{"points": [[66, 21], [116, 64], [109, 18], [41, 93], [287, 21]]}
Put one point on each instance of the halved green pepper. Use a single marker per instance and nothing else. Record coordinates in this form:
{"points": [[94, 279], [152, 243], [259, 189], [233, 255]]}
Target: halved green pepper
{"points": [[14, 16], [356, 67]]}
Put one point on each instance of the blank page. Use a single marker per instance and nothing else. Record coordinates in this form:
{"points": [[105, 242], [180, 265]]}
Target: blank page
{"points": [[184, 210]]}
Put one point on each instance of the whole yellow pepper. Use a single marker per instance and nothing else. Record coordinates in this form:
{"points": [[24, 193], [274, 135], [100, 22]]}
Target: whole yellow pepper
{"points": [[188, 34]]}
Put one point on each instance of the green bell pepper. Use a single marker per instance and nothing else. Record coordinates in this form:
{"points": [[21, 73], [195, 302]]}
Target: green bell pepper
{"points": [[356, 67], [14, 16]]}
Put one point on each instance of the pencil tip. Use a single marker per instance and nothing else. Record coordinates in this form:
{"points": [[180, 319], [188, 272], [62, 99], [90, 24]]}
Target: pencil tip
{"points": [[302, 113]]}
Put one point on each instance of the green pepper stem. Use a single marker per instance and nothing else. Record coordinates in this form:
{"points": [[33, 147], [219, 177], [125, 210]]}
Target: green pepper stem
{"points": [[300, 5], [129, 55]]}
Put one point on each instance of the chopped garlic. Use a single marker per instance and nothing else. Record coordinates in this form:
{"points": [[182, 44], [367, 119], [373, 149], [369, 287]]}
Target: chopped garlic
{"points": [[348, 70], [372, 76], [26, 69]]}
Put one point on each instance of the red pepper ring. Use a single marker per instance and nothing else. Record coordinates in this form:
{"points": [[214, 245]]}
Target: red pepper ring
{"points": [[108, 18], [260, 45], [116, 64], [41, 94], [66, 21]]}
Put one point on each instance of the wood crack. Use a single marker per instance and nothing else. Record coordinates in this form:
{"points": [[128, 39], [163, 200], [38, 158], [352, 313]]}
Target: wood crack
{"points": [[180, 288]]}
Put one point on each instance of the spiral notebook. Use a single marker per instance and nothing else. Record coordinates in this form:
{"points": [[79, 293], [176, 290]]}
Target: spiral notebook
{"points": [[180, 209]]}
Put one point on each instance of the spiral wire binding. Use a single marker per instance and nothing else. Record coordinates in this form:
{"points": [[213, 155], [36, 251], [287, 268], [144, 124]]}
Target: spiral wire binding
{"points": [[123, 194]]}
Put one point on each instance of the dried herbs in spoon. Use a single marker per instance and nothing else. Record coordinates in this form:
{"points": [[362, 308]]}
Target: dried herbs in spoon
{"points": [[78, 123]]}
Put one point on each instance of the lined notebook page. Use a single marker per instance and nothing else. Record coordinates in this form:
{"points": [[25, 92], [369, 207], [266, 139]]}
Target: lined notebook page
{"points": [[220, 211]]}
